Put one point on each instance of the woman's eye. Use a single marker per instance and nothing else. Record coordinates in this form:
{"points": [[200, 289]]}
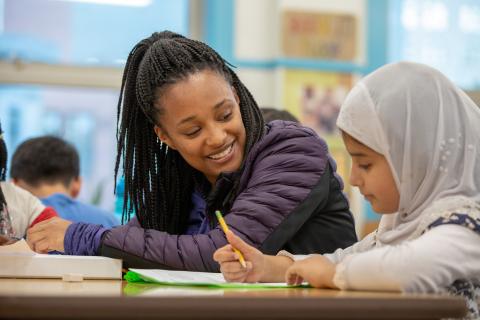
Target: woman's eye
{"points": [[226, 116], [192, 133]]}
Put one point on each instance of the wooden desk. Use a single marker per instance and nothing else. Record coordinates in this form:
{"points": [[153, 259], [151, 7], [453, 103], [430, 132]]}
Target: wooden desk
{"points": [[97, 299]]}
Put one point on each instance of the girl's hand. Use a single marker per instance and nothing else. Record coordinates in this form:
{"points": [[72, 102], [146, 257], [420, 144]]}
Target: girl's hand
{"points": [[230, 266], [317, 270], [48, 235]]}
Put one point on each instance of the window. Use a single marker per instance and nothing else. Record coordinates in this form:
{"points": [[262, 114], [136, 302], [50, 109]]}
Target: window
{"points": [[442, 33], [61, 65]]}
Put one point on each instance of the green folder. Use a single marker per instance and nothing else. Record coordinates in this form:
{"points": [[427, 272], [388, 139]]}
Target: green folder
{"points": [[195, 279]]}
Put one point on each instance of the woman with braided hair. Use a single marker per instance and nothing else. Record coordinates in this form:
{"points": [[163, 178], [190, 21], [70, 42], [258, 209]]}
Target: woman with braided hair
{"points": [[191, 140]]}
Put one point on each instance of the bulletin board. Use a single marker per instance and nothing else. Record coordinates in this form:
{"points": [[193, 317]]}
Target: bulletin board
{"points": [[315, 97], [319, 35]]}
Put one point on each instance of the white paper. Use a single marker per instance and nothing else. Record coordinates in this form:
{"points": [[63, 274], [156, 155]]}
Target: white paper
{"points": [[195, 278]]}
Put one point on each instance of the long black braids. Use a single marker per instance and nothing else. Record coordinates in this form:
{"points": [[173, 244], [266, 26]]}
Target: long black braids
{"points": [[3, 167], [158, 181]]}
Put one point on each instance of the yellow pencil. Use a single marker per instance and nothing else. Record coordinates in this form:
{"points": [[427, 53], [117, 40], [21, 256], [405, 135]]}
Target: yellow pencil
{"points": [[225, 229]]}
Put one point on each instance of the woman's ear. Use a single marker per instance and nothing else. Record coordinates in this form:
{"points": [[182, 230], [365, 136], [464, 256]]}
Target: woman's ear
{"points": [[163, 136]]}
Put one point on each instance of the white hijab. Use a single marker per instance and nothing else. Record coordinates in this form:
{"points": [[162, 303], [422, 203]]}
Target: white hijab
{"points": [[429, 132]]}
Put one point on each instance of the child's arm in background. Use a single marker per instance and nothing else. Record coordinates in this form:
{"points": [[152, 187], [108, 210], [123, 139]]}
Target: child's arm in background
{"points": [[427, 264], [25, 209]]}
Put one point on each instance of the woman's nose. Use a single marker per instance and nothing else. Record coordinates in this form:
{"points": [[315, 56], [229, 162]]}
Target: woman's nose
{"points": [[216, 136]]}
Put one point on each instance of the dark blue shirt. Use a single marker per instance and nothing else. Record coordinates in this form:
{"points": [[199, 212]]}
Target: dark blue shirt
{"points": [[198, 223]]}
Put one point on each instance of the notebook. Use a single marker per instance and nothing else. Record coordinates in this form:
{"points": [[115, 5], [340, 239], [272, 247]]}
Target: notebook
{"points": [[190, 278], [19, 261]]}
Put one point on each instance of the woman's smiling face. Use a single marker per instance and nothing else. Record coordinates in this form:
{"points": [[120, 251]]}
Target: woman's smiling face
{"points": [[201, 119]]}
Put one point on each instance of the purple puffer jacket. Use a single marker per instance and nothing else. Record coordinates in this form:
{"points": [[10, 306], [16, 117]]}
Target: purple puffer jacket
{"points": [[281, 172]]}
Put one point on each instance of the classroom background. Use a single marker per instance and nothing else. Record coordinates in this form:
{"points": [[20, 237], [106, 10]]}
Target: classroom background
{"points": [[61, 63]]}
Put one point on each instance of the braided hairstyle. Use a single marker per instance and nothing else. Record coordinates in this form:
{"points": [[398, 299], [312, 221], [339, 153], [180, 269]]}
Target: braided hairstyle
{"points": [[3, 167], [158, 181]]}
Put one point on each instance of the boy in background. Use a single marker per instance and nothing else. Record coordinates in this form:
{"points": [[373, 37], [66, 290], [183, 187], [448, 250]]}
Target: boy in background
{"points": [[49, 168], [19, 210]]}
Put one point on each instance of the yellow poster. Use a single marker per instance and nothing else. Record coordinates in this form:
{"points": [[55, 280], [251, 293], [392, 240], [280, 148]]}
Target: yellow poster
{"points": [[319, 35], [315, 98]]}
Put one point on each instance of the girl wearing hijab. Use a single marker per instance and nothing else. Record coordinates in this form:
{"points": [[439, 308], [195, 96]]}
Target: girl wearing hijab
{"points": [[414, 139]]}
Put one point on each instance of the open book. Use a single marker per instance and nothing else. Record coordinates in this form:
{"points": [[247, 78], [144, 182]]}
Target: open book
{"points": [[190, 278], [19, 261]]}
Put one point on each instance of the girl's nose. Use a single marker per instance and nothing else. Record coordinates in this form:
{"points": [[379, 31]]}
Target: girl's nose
{"points": [[354, 177]]}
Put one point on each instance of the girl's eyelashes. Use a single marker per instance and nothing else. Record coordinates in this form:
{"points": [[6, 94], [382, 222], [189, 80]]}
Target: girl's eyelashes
{"points": [[364, 166]]}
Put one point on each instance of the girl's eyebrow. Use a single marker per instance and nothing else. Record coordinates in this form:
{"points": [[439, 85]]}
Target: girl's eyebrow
{"points": [[358, 154]]}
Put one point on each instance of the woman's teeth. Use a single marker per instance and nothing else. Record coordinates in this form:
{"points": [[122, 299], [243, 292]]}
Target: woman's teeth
{"points": [[221, 154]]}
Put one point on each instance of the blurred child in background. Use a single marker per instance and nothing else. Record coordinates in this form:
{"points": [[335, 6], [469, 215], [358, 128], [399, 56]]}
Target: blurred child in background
{"points": [[49, 167], [18, 208]]}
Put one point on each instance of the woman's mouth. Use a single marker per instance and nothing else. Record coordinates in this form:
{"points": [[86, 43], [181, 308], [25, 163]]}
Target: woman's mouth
{"points": [[222, 155]]}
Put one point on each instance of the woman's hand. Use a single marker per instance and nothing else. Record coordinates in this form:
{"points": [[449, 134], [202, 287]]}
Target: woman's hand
{"points": [[230, 265], [317, 270], [48, 235]]}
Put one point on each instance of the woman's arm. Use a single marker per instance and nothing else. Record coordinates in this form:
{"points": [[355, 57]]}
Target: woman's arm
{"points": [[281, 175]]}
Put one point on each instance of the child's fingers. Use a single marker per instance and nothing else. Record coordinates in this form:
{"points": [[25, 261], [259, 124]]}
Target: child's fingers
{"points": [[294, 280], [231, 266], [292, 275], [224, 254], [239, 276], [298, 280], [237, 242], [290, 278]]}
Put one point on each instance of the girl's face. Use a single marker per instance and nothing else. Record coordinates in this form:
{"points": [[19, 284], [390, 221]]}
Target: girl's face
{"points": [[372, 175], [201, 120]]}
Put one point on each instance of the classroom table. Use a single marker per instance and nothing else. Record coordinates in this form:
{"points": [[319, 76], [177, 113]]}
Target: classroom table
{"points": [[115, 299]]}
